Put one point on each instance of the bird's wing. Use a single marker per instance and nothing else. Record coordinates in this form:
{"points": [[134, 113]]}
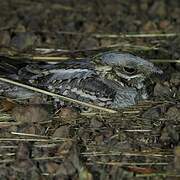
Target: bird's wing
{"points": [[51, 73], [81, 84]]}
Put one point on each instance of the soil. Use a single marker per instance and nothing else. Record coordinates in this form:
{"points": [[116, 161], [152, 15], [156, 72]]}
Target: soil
{"points": [[39, 141]]}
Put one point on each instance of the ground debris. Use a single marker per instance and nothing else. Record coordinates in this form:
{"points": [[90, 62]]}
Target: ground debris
{"points": [[42, 142]]}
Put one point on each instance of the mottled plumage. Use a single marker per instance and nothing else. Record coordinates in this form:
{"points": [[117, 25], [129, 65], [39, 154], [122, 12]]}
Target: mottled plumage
{"points": [[108, 79]]}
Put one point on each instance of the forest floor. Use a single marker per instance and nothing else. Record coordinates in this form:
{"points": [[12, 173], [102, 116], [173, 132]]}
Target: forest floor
{"points": [[140, 142]]}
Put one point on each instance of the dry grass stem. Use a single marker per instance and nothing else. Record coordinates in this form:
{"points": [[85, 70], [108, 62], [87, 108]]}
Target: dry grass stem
{"points": [[165, 60], [129, 164], [32, 135], [35, 140], [137, 130], [176, 176], [107, 47], [63, 58], [89, 154], [57, 95], [114, 36]]}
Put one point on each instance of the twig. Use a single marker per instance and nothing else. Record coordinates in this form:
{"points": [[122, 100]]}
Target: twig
{"points": [[63, 58], [57, 95], [51, 58], [48, 54], [152, 35], [165, 60], [158, 174], [7, 161], [7, 154], [89, 154], [4, 116], [131, 112], [137, 130], [35, 140], [10, 123], [8, 147], [26, 134], [108, 47], [48, 157], [129, 164], [114, 36], [97, 162], [35, 145]]}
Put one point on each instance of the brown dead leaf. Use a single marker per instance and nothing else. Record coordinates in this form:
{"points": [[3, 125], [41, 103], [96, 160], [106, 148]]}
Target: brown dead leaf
{"points": [[7, 104], [139, 170], [68, 114], [52, 167], [30, 113], [61, 132]]}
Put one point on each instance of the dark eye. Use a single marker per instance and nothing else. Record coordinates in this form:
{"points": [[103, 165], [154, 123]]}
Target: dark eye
{"points": [[129, 70]]}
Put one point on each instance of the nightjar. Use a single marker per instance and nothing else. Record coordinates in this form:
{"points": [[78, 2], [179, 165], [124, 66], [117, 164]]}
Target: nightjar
{"points": [[108, 79]]}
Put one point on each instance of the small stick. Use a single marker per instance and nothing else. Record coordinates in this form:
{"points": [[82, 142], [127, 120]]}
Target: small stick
{"points": [[131, 112], [153, 35], [176, 176], [138, 130], [7, 154], [35, 140], [94, 154], [47, 58], [114, 36], [129, 164], [26, 134], [63, 58], [35, 145], [108, 47], [165, 60], [57, 95]]}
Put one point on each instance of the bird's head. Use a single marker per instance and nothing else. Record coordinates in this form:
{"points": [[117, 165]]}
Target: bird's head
{"points": [[125, 67]]}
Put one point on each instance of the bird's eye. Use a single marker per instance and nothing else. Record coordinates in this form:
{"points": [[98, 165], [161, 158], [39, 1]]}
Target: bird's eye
{"points": [[129, 70]]}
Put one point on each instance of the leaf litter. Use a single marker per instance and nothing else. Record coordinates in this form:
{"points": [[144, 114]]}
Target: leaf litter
{"points": [[40, 141]]}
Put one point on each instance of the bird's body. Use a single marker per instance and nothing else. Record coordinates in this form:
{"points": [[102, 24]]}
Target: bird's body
{"points": [[109, 79]]}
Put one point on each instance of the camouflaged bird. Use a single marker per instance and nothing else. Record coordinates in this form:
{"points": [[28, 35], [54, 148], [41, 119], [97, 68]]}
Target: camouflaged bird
{"points": [[108, 79]]}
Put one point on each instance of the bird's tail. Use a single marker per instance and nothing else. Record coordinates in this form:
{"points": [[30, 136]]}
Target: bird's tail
{"points": [[9, 67]]}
